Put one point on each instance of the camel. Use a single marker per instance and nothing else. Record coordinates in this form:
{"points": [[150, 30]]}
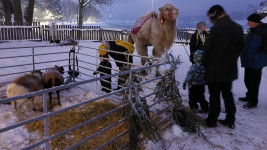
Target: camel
{"points": [[155, 30]]}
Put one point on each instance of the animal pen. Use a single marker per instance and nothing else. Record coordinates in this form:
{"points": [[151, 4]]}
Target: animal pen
{"points": [[140, 91]]}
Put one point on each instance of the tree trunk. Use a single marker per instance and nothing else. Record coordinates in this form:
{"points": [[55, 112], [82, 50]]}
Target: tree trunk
{"points": [[29, 13], [8, 9], [80, 21], [17, 12]]}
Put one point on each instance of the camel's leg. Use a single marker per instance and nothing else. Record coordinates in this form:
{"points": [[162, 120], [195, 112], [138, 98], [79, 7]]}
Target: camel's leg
{"points": [[32, 102], [157, 52], [141, 50], [58, 100], [14, 105]]}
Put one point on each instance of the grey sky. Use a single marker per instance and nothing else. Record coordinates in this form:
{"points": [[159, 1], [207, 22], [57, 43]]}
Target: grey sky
{"points": [[133, 9]]}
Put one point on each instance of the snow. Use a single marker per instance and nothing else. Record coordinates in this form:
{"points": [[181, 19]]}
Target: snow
{"points": [[251, 125], [264, 20]]}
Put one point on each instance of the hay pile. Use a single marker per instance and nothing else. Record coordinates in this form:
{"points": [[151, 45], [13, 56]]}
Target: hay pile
{"points": [[71, 118]]}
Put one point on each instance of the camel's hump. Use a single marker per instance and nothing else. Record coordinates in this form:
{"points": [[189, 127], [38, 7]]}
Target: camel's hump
{"points": [[140, 22]]}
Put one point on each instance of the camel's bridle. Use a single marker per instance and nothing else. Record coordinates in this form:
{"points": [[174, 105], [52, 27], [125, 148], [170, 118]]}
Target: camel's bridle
{"points": [[169, 13]]}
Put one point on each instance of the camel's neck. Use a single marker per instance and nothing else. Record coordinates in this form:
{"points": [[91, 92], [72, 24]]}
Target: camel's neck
{"points": [[169, 32]]}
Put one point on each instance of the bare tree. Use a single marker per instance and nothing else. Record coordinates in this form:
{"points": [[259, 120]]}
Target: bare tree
{"points": [[17, 12], [88, 3], [29, 12], [81, 9], [7, 9], [70, 8]]}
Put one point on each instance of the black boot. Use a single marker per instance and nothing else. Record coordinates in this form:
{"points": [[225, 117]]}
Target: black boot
{"points": [[243, 99], [210, 124], [227, 124], [249, 105]]}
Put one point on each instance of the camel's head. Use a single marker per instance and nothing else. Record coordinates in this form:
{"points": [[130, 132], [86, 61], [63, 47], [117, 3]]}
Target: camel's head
{"points": [[168, 12]]}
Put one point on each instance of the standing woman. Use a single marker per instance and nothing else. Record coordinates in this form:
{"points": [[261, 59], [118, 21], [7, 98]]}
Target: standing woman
{"points": [[196, 92], [198, 39]]}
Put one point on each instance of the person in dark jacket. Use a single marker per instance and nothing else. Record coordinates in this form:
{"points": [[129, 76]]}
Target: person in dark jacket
{"points": [[195, 81], [198, 40], [123, 61], [223, 48], [254, 58], [104, 69]]}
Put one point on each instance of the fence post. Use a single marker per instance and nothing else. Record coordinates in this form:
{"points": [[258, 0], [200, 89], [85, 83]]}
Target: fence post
{"points": [[73, 61], [33, 64], [72, 33], [186, 36], [46, 126], [100, 36]]}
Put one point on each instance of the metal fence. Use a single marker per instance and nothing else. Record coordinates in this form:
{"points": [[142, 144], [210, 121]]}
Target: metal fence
{"points": [[86, 56]]}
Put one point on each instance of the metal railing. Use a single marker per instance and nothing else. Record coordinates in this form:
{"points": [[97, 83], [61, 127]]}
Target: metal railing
{"points": [[84, 53]]}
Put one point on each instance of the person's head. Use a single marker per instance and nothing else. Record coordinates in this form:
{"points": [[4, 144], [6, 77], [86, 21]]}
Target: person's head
{"points": [[105, 43], [102, 57], [201, 25], [215, 13], [254, 20], [102, 50], [198, 56]]}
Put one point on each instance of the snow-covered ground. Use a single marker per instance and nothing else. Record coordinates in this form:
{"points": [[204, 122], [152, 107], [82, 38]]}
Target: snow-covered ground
{"points": [[251, 125]]}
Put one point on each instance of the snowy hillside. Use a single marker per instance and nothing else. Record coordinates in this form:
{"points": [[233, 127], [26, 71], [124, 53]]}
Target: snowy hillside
{"points": [[251, 125]]}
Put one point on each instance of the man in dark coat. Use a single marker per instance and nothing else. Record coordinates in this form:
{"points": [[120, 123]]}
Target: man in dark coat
{"points": [[123, 61], [220, 57], [254, 58]]}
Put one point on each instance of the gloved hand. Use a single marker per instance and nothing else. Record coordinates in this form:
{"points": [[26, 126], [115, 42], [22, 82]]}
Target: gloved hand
{"points": [[184, 85], [94, 73]]}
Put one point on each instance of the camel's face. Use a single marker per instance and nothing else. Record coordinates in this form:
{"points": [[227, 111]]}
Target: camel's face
{"points": [[169, 12]]}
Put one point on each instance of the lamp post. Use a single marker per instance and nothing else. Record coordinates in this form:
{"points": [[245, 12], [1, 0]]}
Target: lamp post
{"points": [[152, 4]]}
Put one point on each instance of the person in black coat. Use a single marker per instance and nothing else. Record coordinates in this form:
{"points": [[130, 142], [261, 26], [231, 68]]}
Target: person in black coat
{"points": [[198, 40], [254, 58], [196, 92], [104, 69], [223, 48], [123, 61]]}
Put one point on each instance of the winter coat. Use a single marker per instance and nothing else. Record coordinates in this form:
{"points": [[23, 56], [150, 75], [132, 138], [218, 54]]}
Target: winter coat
{"points": [[197, 44], [119, 57], [254, 55], [223, 48], [106, 70], [195, 75]]}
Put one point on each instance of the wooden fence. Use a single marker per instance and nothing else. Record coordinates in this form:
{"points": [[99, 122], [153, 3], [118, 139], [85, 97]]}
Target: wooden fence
{"points": [[20, 32], [58, 32]]}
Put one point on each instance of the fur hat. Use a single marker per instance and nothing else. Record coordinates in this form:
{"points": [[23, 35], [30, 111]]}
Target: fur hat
{"points": [[200, 24], [254, 18], [101, 51], [215, 11]]}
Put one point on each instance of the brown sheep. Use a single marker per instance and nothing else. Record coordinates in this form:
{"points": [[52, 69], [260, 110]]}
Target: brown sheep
{"points": [[25, 84], [53, 77]]}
